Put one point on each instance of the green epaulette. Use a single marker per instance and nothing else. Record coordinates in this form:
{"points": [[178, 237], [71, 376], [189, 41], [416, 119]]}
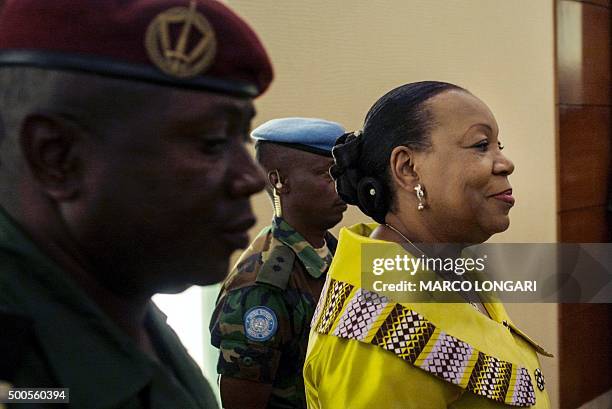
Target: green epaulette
{"points": [[277, 267]]}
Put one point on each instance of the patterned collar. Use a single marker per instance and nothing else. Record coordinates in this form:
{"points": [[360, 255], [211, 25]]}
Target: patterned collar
{"points": [[316, 267], [485, 357]]}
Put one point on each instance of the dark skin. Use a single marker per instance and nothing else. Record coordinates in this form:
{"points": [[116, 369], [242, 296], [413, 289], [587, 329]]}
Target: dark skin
{"points": [[154, 202], [462, 173], [311, 206], [308, 195]]}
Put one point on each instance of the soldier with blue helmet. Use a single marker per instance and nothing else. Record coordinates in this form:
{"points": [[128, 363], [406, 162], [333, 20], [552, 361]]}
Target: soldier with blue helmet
{"points": [[263, 313]]}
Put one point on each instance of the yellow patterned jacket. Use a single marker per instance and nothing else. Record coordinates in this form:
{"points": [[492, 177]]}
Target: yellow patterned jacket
{"points": [[367, 351]]}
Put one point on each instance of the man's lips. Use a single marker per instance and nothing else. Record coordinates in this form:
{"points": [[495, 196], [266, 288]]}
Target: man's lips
{"points": [[240, 226], [341, 205], [505, 196], [236, 234]]}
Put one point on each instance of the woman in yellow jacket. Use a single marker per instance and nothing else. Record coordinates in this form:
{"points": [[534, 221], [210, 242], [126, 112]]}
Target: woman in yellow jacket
{"points": [[428, 168]]}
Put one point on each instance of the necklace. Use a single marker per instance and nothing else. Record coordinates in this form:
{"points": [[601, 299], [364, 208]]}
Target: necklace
{"points": [[406, 238], [472, 303]]}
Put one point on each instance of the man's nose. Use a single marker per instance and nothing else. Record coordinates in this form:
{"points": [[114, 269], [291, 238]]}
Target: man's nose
{"points": [[248, 177]]}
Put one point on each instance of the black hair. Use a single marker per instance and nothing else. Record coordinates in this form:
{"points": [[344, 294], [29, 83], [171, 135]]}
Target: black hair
{"points": [[398, 118]]}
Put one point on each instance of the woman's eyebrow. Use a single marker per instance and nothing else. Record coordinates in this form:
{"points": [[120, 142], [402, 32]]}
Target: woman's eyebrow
{"points": [[483, 125]]}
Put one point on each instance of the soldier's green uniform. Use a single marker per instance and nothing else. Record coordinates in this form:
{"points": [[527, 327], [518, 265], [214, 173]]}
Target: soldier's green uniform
{"points": [[278, 279], [70, 343]]}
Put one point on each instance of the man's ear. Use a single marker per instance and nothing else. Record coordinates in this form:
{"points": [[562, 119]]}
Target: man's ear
{"points": [[401, 166], [50, 146], [277, 182]]}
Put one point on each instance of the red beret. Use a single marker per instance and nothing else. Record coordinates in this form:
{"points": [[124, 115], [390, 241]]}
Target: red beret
{"points": [[196, 44]]}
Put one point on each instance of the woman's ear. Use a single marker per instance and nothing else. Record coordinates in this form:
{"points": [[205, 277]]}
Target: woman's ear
{"points": [[50, 146], [401, 166]]}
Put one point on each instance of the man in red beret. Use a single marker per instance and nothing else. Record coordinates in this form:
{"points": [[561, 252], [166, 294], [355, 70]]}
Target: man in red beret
{"points": [[123, 173]]}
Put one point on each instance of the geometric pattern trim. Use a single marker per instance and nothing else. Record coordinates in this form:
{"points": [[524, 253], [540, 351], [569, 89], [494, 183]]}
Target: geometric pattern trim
{"points": [[523, 388], [359, 315], [317, 311], [404, 332], [335, 296], [450, 359], [368, 317], [491, 378]]}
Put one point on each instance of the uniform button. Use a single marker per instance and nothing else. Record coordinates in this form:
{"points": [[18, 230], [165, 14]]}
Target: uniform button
{"points": [[247, 361]]}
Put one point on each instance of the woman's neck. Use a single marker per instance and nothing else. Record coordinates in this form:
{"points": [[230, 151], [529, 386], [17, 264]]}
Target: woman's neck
{"points": [[417, 236]]}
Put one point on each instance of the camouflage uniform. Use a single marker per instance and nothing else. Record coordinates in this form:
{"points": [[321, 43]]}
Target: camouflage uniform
{"points": [[281, 273]]}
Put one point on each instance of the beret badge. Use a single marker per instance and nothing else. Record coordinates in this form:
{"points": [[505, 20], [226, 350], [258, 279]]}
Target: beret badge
{"points": [[181, 42]]}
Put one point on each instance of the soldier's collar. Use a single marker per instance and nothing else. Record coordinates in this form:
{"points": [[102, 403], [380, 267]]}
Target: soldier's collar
{"points": [[82, 332], [106, 354], [315, 266]]}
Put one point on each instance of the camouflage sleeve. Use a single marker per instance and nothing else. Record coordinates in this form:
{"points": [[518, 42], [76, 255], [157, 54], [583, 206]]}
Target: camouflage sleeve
{"points": [[249, 326]]}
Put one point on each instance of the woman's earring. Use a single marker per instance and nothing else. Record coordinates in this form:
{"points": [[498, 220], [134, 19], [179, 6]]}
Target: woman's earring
{"points": [[420, 196]]}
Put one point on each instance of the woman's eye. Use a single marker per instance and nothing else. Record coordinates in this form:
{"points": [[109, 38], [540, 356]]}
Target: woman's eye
{"points": [[482, 145]]}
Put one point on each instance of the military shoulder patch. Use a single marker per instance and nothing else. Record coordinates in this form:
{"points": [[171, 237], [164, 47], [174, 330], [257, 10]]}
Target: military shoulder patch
{"points": [[260, 323], [277, 267]]}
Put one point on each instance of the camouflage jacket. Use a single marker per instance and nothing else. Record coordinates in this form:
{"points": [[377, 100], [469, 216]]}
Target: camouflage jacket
{"points": [[262, 317]]}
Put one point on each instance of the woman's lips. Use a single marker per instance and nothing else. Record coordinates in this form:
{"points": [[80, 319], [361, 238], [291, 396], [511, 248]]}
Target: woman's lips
{"points": [[505, 196]]}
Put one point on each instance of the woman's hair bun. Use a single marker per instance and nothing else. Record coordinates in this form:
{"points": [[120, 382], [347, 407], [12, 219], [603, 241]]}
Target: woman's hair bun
{"points": [[345, 171], [373, 200], [353, 187]]}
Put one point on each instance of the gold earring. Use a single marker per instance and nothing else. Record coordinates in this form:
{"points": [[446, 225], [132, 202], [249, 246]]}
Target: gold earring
{"points": [[276, 200], [420, 196], [278, 208]]}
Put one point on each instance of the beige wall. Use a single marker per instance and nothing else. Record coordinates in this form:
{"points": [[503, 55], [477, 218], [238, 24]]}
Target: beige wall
{"points": [[334, 58]]}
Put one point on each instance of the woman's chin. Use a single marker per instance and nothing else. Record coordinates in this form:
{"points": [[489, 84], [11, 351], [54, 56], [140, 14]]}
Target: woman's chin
{"points": [[492, 227], [500, 225]]}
